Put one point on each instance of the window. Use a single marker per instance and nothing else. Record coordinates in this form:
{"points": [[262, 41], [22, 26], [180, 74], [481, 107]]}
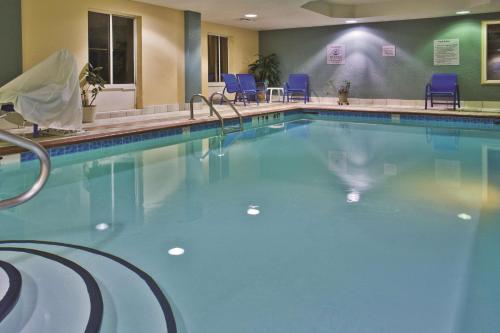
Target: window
{"points": [[217, 57], [111, 46]]}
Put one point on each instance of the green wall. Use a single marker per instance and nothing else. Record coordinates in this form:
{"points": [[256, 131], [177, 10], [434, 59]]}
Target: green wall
{"points": [[374, 76], [10, 40]]}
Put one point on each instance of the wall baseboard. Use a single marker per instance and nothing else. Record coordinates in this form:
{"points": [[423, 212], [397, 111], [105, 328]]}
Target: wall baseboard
{"points": [[486, 106]]}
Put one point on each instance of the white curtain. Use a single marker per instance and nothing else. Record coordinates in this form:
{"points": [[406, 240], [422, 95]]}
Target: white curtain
{"points": [[48, 94]]}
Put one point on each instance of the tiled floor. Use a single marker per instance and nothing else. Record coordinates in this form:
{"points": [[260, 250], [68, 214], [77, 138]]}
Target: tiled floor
{"points": [[135, 124]]}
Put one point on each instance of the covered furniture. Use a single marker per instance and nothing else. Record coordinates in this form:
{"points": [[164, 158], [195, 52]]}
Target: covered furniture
{"points": [[297, 84], [443, 86], [48, 94], [249, 87]]}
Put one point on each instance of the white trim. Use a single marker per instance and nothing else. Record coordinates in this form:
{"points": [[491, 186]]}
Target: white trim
{"points": [[111, 47], [216, 84], [122, 87]]}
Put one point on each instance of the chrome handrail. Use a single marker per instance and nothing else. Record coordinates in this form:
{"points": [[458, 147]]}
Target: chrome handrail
{"points": [[191, 105], [225, 99], [45, 166], [210, 105]]}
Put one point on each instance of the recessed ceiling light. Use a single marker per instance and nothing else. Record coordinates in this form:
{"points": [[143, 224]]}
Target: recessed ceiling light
{"points": [[251, 16], [464, 216], [463, 12], [351, 21], [176, 251], [102, 227]]}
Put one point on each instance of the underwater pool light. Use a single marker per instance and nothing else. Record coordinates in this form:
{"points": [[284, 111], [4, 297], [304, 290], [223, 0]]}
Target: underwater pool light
{"points": [[253, 210], [351, 21], [102, 227], [464, 216], [353, 197], [176, 251]]}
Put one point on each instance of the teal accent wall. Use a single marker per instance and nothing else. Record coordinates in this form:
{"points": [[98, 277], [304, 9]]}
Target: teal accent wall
{"points": [[303, 50], [192, 46], [10, 40]]}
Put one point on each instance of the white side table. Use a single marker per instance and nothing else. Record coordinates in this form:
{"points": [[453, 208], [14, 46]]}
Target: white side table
{"points": [[270, 92]]}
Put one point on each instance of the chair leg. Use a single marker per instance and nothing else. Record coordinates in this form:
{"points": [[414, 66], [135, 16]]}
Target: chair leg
{"points": [[426, 102], [36, 131]]}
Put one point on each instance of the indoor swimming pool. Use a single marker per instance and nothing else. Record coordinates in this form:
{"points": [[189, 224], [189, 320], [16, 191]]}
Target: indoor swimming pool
{"points": [[301, 223]]}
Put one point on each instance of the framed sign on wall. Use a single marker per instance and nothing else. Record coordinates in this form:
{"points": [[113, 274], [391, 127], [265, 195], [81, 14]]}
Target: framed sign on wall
{"points": [[490, 59], [335, 54]]}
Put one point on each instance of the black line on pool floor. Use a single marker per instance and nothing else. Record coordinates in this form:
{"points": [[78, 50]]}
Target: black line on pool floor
{"points": [[96, 303], [11, 297], [155, 289]]}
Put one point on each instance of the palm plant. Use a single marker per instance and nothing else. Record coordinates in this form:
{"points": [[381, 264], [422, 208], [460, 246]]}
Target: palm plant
{"points": [[266, 69], [92, 84]]}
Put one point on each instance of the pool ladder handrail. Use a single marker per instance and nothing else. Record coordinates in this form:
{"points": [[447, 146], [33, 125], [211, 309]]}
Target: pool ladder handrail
{"points": [[225, 99], [45, 166], [213, 110]]}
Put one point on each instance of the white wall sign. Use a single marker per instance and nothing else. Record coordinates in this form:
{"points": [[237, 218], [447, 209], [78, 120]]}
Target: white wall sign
{"points": [[447, 52], [389, 50], [336, 54]]}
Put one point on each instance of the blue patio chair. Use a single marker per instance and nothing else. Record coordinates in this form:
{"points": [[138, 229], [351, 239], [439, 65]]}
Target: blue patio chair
{"points": [[443, 86], [249, 87], [232, 86], [297, 84]]}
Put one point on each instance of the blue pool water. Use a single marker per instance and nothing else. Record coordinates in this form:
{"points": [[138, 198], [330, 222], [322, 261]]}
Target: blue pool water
{"points": [[310, 225]]}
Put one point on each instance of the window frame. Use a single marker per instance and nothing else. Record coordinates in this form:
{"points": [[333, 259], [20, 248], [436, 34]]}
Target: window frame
{"points": [[111, 86], [484, 53], [219, 36]]}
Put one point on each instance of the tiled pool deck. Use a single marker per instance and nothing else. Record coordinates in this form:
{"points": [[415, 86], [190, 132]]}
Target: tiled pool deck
{"points": [[114, 131]]}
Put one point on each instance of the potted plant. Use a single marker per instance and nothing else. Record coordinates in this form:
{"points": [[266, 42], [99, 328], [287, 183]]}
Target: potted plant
{"points": [[266, 70], [343, 92], [91, 84]]}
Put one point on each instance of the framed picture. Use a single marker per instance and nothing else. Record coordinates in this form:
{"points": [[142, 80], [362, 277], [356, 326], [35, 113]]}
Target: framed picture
{"points": [[490, 61]]}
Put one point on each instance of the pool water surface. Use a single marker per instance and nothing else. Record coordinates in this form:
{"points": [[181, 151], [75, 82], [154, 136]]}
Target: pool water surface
{"points": [[303, 226]]}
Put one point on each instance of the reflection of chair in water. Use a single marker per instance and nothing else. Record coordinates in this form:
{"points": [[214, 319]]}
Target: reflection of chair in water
{"points": [[443, 139], [298, 129]]}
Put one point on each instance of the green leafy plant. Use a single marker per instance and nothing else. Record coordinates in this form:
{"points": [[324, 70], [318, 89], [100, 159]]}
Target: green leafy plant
{"points": [[266, 69], [91, 84], [344, 88]]}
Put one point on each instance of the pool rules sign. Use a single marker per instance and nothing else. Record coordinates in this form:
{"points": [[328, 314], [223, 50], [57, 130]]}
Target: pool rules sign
{"points": [[447, 52], [335, 54]]}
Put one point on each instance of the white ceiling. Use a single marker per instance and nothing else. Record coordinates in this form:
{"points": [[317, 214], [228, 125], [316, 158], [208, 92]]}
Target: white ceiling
{"points": [[280, 14]]}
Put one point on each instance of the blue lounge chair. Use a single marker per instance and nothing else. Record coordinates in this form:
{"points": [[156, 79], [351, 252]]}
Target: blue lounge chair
{"points": [[443, 86], [232, 86], [297, 84], [249, 87]]}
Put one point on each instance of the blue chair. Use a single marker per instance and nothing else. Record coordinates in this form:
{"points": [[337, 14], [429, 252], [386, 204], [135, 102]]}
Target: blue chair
{"points": [[443, 86], [249, 87], [297, 84], [232, 86]]}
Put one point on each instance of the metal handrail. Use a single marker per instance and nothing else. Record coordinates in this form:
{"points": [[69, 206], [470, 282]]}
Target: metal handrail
{"points": [[191, 105], [45, 166], [225, 99]]}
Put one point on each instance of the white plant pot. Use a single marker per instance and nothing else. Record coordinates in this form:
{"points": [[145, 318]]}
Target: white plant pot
{"points": [[89, 113]]}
